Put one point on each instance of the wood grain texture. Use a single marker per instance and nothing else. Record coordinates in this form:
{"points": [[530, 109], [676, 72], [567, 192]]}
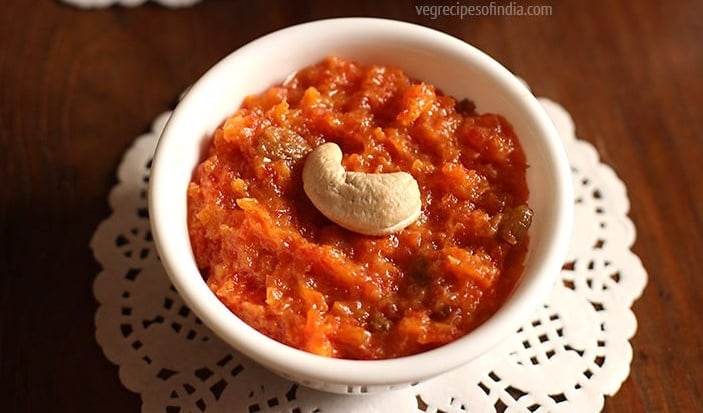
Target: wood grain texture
{"points": [[79, 86]]}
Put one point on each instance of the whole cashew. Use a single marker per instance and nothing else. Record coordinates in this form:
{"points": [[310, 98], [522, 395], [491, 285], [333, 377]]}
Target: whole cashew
{"points": [[370, 204]]}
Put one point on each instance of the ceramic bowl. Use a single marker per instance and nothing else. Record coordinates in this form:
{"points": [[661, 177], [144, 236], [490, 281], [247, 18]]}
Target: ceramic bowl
{"points": [[455, 67]]}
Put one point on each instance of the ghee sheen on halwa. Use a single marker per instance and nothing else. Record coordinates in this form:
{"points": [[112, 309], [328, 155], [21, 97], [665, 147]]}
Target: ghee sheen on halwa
{"points": [[287, 271]]}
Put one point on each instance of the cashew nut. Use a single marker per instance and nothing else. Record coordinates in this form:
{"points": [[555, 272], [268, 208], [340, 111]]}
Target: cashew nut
{"points": [[370, 204]]}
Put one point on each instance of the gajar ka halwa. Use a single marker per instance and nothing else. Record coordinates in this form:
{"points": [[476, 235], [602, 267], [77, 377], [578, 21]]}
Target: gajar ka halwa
{"points": [[273, 259]]}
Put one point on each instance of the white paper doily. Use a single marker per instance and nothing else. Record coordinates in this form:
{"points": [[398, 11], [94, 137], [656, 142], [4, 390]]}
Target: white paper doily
{"points": [[99, 4], [573, 352]]}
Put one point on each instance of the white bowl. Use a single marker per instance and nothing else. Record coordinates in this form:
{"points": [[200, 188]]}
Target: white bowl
{"points": [[458, 69]]}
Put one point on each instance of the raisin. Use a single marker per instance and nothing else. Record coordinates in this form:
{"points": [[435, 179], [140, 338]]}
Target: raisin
{"points": [[281, 143], [515, 223]]}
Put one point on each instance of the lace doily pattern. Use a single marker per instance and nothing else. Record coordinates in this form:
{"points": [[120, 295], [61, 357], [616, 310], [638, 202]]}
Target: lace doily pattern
{"points": [[99, 4], [576, 343]]}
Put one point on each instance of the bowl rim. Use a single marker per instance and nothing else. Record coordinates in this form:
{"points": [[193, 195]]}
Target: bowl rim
{"points": [[289, 361]]}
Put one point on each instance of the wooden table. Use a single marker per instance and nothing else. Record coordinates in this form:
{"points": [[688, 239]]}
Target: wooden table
{"points": [[78, 86]]}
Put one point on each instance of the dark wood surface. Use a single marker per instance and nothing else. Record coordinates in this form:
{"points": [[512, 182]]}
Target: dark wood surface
{"points": [[76, 88]]}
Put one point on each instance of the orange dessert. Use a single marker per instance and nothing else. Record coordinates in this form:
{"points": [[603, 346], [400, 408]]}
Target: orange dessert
{"points": [[288, 271]]}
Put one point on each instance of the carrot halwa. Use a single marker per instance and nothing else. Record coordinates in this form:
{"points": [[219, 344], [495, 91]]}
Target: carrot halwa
{"points": [[274, 260]]}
